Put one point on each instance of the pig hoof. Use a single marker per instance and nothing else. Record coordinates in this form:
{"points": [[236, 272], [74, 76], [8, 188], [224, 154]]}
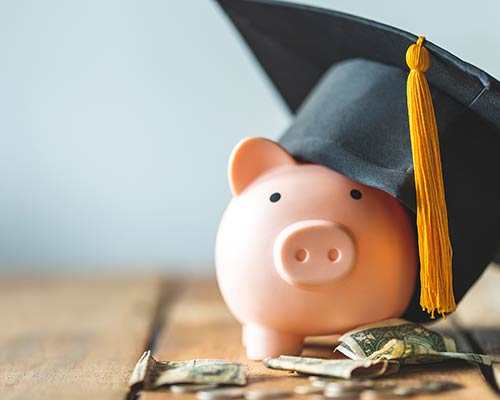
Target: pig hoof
{"points": [[261, 343]]}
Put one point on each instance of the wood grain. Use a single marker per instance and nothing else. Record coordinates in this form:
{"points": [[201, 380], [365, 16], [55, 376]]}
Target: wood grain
{"points": [[200, 326], [479, 316], [80, 338], [72, 339]]}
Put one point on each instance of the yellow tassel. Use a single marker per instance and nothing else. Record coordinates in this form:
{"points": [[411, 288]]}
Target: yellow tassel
{"points": [[432, 218]]}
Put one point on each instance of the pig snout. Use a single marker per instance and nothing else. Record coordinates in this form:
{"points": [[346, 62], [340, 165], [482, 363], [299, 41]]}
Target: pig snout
{"points": [[313, 252]]}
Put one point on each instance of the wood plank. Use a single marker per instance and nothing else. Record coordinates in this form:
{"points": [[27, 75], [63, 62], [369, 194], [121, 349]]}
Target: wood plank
{"points": [[78, 339], [479, 316], [200, 326]]}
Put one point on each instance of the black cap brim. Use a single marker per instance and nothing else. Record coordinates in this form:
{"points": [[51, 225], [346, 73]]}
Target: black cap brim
{"points": [[297, 44]]}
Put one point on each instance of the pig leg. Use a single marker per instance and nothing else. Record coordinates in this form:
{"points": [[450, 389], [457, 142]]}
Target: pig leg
{"points": [[261, 342]]}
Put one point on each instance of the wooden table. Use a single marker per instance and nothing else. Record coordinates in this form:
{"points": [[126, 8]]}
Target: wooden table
{"points": [[79, 338]]}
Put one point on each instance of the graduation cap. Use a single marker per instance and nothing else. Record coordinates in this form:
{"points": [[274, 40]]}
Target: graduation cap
{"points": [[395, 112]]}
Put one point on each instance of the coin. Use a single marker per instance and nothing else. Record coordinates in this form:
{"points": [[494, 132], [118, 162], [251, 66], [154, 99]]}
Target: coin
{"points": [[439, 386], [370, 395], [267, 394], [319, 383], [406, 391], [308, 389], [190, 388], [230, 393], [342, 391], [367, 383], [384, 384], [342, 396], [344, 387]]}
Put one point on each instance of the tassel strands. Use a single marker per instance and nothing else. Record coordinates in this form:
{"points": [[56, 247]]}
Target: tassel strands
{"points": [[432, 218]]}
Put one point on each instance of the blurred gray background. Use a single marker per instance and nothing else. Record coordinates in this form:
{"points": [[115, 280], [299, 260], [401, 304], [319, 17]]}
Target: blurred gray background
{"points": [[117, 119]]}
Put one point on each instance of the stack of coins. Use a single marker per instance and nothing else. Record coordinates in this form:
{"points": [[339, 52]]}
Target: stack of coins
{"points": [[319, 388]]}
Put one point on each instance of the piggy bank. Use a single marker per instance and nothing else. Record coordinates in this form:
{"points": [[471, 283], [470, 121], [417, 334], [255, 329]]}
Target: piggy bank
{"points": [[302, 251]]}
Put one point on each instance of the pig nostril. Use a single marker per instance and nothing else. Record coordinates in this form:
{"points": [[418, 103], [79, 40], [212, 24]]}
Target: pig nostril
{"points": [[333, 255], [301, 255]]}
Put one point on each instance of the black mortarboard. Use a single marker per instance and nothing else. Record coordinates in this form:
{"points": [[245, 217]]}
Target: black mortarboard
{"points": [[345, 79]]}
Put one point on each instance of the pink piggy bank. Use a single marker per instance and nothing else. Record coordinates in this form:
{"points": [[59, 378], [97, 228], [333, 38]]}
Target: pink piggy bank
{"points": [[304, 251]]}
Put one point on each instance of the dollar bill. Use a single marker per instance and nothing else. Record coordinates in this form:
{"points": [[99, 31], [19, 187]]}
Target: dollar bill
{"points": [[361, 342], [406, 352], [402, 341], [345, 369], [150, 374]]}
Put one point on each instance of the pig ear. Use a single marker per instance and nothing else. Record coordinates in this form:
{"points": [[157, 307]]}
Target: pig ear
{"points": [[251, 158]]}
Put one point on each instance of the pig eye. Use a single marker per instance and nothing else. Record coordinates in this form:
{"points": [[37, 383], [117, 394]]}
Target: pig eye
{"points": [[275, 197], [356, 194]]}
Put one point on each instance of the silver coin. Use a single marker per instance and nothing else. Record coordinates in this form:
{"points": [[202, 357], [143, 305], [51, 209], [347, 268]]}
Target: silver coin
{"points": [[190, 388], [322, 381], [315, 378], [439, 386], [433, 387], [344, 387], [230, 393], [370, 395], [406, 391], [319, 383], [367, 383], [341, 396], [258, 394], [341, 392], [308, 389], [387, 384]]}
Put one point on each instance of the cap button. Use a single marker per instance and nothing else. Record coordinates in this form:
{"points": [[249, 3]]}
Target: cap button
{"points": [[417, 56]]}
